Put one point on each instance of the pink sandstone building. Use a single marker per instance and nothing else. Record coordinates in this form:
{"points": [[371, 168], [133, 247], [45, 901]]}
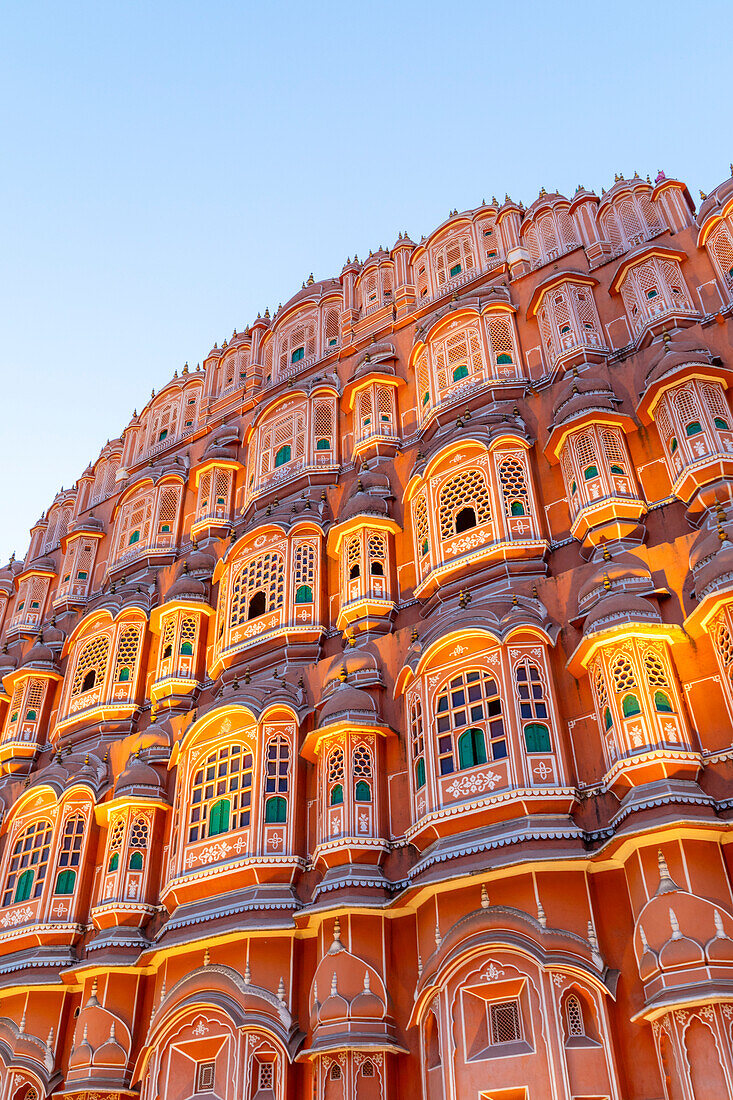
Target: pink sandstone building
{"points": [[366, 723]]}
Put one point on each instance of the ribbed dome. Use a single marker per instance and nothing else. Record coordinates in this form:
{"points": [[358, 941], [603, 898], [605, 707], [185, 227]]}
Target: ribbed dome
{"points": [[186, 587], [138, 775], [617, 609], [717, 198], [200, 562], [348, 702], [623, 572], [672, 353], [40, 656], [580, 394], [364, 504]]}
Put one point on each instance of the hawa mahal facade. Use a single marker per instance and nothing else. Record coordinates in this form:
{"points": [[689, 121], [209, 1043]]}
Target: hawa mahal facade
{"points": [[367, 712]]}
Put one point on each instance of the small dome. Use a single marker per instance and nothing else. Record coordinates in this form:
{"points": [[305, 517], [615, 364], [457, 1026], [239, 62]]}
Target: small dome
{"points": [[348, 702], [545, 198], [200, 562], [580, 394], [139, 776], [617, 609], [368, 504], [40, 656], [8, 661], [186, 587], [623, 572], [356, 661], [672, 353], [47, 564], [367, 1006], [715, 200], [53, 636]]}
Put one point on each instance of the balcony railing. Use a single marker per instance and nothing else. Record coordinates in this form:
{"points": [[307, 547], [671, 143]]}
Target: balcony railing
{"points": [[460, 280]]}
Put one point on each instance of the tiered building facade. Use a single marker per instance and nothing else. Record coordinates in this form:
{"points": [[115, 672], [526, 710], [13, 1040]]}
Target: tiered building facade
{"points": [[367, 712]]}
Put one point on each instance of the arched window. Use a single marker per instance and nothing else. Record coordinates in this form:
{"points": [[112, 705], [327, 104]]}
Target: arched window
{"points": [[465, 520], [91, 664], [136, 861], [514, 488], [225, 781], [530, 690], [28, 863], [262, 577], [470, 699], [417, 737], [335, 776], [276, 810], [471, 748], [277, 766], [537, 737], [65, 882], [574, 1017], [186, 649], [304, 594], [283, 455], [361, 767], [127, 651], [463, 494], [69, 858], [623, 673], [114, 862], [115, 844], [662, 702], [630, 706], [219, 817]]}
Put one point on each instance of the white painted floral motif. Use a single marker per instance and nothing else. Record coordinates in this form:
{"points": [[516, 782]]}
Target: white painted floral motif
{"points": [[476, 783], [18, 916]]}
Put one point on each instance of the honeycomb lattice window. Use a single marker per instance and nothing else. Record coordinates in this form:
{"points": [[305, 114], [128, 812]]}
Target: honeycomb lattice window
{"points": [[420, 520], [622, 671], [28, 863], [266, 1076], [513, 480], [656, 673], [189, 627], [377, 552], [599, 683], [139, 833], [205, 1076], [277, 765], [574, 1016], [720, 247], [304, 564], [353, 557], [168, 635], [361, 762], [127, 651], [225, 775], [92, 659], [263, 576], [586, 450], [422, 374], [466, 490], [505, 1022], [336, 765], [530, 690], [323, 422], [133, 525], [117, 835], [723, 642]]}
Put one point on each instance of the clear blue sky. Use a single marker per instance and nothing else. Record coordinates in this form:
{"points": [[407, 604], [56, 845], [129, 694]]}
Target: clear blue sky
{"points": [[169, 169]]}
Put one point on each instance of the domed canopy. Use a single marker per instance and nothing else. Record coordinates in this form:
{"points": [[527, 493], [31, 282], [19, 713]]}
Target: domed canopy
{"points": [[348, 703], [717, 198], [138, 778], [579, 394], [622, 573], [711, 557], [186, 587], [40, 657], [619, 609], [672, 353]]}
